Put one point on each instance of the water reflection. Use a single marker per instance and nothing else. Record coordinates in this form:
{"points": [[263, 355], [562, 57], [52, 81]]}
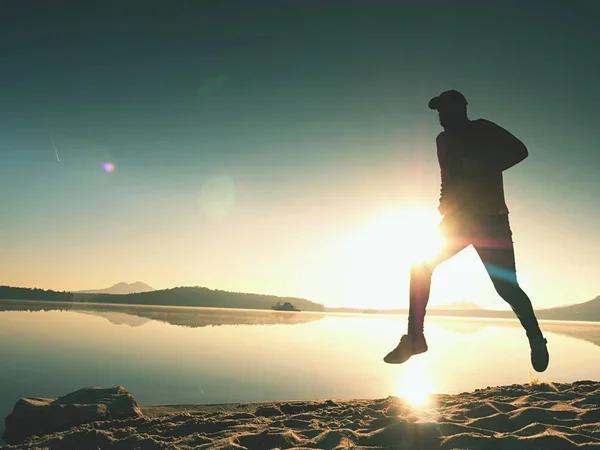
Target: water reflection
{"points": [[167, 355], [415, 384], [586, 331], [137, 315]]}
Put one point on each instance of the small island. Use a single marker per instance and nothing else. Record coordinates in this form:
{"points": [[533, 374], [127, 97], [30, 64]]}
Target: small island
{"points": [[287, 306]]}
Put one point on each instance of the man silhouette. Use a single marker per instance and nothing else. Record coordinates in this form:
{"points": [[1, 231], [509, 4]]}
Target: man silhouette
{"points": [[472, 155]]}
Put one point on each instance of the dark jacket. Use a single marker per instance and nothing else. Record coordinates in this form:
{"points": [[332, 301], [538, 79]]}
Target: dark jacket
{"points": [[472, 160]]}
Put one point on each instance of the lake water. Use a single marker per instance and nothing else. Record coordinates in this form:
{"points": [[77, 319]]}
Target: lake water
{"points": [[167, 355]]}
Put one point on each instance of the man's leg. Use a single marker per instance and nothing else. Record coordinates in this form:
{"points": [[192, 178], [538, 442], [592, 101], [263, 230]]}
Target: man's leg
{"points": [[420, 285], [496, 250], [453, 241]]}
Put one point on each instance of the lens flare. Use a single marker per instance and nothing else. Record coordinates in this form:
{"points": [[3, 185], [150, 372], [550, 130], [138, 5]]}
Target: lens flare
{"points": [[108, 167], [217, 196]]}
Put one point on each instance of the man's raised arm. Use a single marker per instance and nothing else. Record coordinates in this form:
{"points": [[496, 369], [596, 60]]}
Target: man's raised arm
{"points": [[504, 150]]}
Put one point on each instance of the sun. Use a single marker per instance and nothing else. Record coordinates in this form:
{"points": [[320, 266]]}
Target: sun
{"points": [[376, 257], [407, 235], [412, 232]]}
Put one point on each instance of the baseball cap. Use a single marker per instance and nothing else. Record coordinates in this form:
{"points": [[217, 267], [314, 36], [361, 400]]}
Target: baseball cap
{"points": [[447, 98]]}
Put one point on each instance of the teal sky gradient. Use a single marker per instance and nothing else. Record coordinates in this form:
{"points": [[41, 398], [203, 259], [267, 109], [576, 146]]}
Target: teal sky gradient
{"points": [[314, 116]]}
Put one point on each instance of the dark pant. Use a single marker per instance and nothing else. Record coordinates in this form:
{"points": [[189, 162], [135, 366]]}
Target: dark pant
{"points": [[491, 237]]}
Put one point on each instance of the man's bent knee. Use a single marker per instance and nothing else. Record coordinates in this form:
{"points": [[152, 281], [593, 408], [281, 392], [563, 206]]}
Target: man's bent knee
{"points": [[509, 290], [422, 268]]}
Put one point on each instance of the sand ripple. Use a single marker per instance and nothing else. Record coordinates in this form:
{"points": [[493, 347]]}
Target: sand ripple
{"points": [[544, 416]]}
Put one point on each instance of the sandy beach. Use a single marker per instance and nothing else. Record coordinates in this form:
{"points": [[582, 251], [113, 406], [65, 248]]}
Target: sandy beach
{"points": [[539, 416]]}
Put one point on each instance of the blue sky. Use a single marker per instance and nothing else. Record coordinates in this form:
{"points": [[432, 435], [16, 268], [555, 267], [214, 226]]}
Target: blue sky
{"points": [[247, 138]]}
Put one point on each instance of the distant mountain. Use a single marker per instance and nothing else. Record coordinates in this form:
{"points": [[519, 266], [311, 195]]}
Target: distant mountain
{"points": [[199, 296], [204, 297], [121, 289], [20, 293], [588, 311], [180, 296]]}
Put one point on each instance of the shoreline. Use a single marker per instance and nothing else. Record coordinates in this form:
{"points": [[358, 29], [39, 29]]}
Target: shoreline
{"points": [[551, 416], [502, 316]]}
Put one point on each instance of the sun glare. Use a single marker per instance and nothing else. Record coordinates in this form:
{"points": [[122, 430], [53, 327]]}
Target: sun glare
{"points": [[405, 236], [415, 386], [376, 258], [413, 233]]}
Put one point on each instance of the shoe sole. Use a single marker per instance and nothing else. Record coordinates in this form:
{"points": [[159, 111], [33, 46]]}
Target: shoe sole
{"points": [[540, 370], [547, 358], [402, 362]]}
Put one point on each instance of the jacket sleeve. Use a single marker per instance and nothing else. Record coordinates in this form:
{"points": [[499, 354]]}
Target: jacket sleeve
{"points": [[503, 150]]}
